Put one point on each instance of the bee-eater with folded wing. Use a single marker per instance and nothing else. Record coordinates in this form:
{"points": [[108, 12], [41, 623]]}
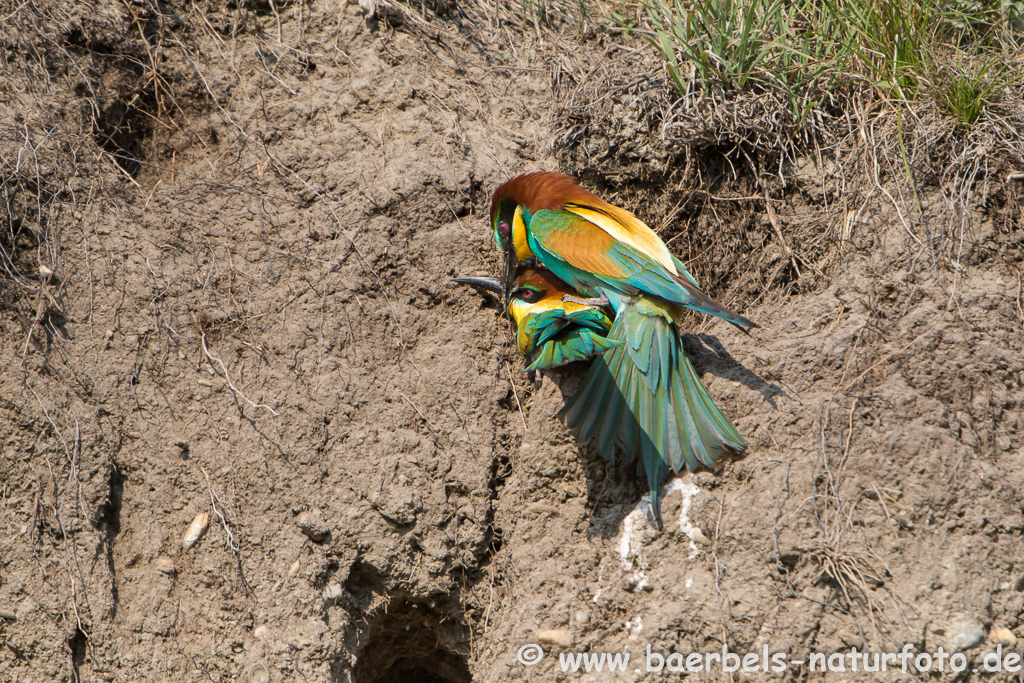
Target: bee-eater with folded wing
{"points": [[550, 331], [643, 395]]}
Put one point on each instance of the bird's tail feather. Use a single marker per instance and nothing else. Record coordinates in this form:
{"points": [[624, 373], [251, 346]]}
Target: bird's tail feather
{"points": [[645, 397]]}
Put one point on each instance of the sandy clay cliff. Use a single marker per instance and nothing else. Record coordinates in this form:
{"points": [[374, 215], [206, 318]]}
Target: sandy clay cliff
{"points": [[249, 431]]}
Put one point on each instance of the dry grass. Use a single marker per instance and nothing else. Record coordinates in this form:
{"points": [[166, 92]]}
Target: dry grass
{"points": [[702, 161], [842, 554]]}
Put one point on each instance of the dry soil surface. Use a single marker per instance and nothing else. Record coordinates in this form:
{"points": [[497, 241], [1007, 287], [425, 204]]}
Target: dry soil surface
{"points": [[251, 432]]}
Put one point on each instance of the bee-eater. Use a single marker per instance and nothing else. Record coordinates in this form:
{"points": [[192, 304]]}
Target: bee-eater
{"points": [[550, 331], [643, 395]]}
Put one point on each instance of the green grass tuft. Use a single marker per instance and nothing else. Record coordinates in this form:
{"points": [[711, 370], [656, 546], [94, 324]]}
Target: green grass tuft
{"points": [[906, 49], [966, 86]]}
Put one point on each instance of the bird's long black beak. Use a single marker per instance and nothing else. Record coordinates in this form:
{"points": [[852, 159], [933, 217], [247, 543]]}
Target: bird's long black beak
{"points": [[490, 284]]}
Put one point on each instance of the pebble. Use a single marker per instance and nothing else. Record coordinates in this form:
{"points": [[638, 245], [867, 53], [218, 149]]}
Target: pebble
{"points": [[555, 638], [294, 569], [542, 508], [699, 537], [195, 530], [259, 674], [582, 617], [966, 634], [1003, 636], [333, 593], [260, 631], [637, 582], [164, 565], [311, 523]]}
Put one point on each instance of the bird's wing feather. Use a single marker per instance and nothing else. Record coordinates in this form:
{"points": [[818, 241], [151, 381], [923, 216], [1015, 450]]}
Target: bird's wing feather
{"points": [[574, 344], [589, 247], [578, 242], [540, 326], [591, 317], [684, 271], [565, 238], [554, 336], [543, 325], [627, 229]]}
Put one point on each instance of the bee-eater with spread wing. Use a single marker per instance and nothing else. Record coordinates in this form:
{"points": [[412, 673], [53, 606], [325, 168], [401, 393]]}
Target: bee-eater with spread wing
{"points": [[550, 331], [643, 395]]}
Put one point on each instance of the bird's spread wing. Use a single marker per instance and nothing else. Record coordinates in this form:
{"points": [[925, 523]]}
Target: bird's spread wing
{"points": [[575, 344], [555, 337], [542, 326]]}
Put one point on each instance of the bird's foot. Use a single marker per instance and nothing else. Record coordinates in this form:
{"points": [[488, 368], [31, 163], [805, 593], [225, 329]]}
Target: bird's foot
{"points": [[600, 301]]}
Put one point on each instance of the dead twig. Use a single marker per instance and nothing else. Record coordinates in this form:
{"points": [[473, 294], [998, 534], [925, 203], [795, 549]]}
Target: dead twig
{"points": [[227, 530], [516, 394], [418, 412], [227, 377], [774, 220], [889, 355]]}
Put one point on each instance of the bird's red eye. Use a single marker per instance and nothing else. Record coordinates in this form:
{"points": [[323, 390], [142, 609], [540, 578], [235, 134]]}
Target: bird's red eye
{"points": [[503, 227]]}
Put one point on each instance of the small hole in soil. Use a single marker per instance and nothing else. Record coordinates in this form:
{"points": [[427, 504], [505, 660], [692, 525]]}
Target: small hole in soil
{"points": [[408, 643], [120, 129], [110, 511], [76, 643]]}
